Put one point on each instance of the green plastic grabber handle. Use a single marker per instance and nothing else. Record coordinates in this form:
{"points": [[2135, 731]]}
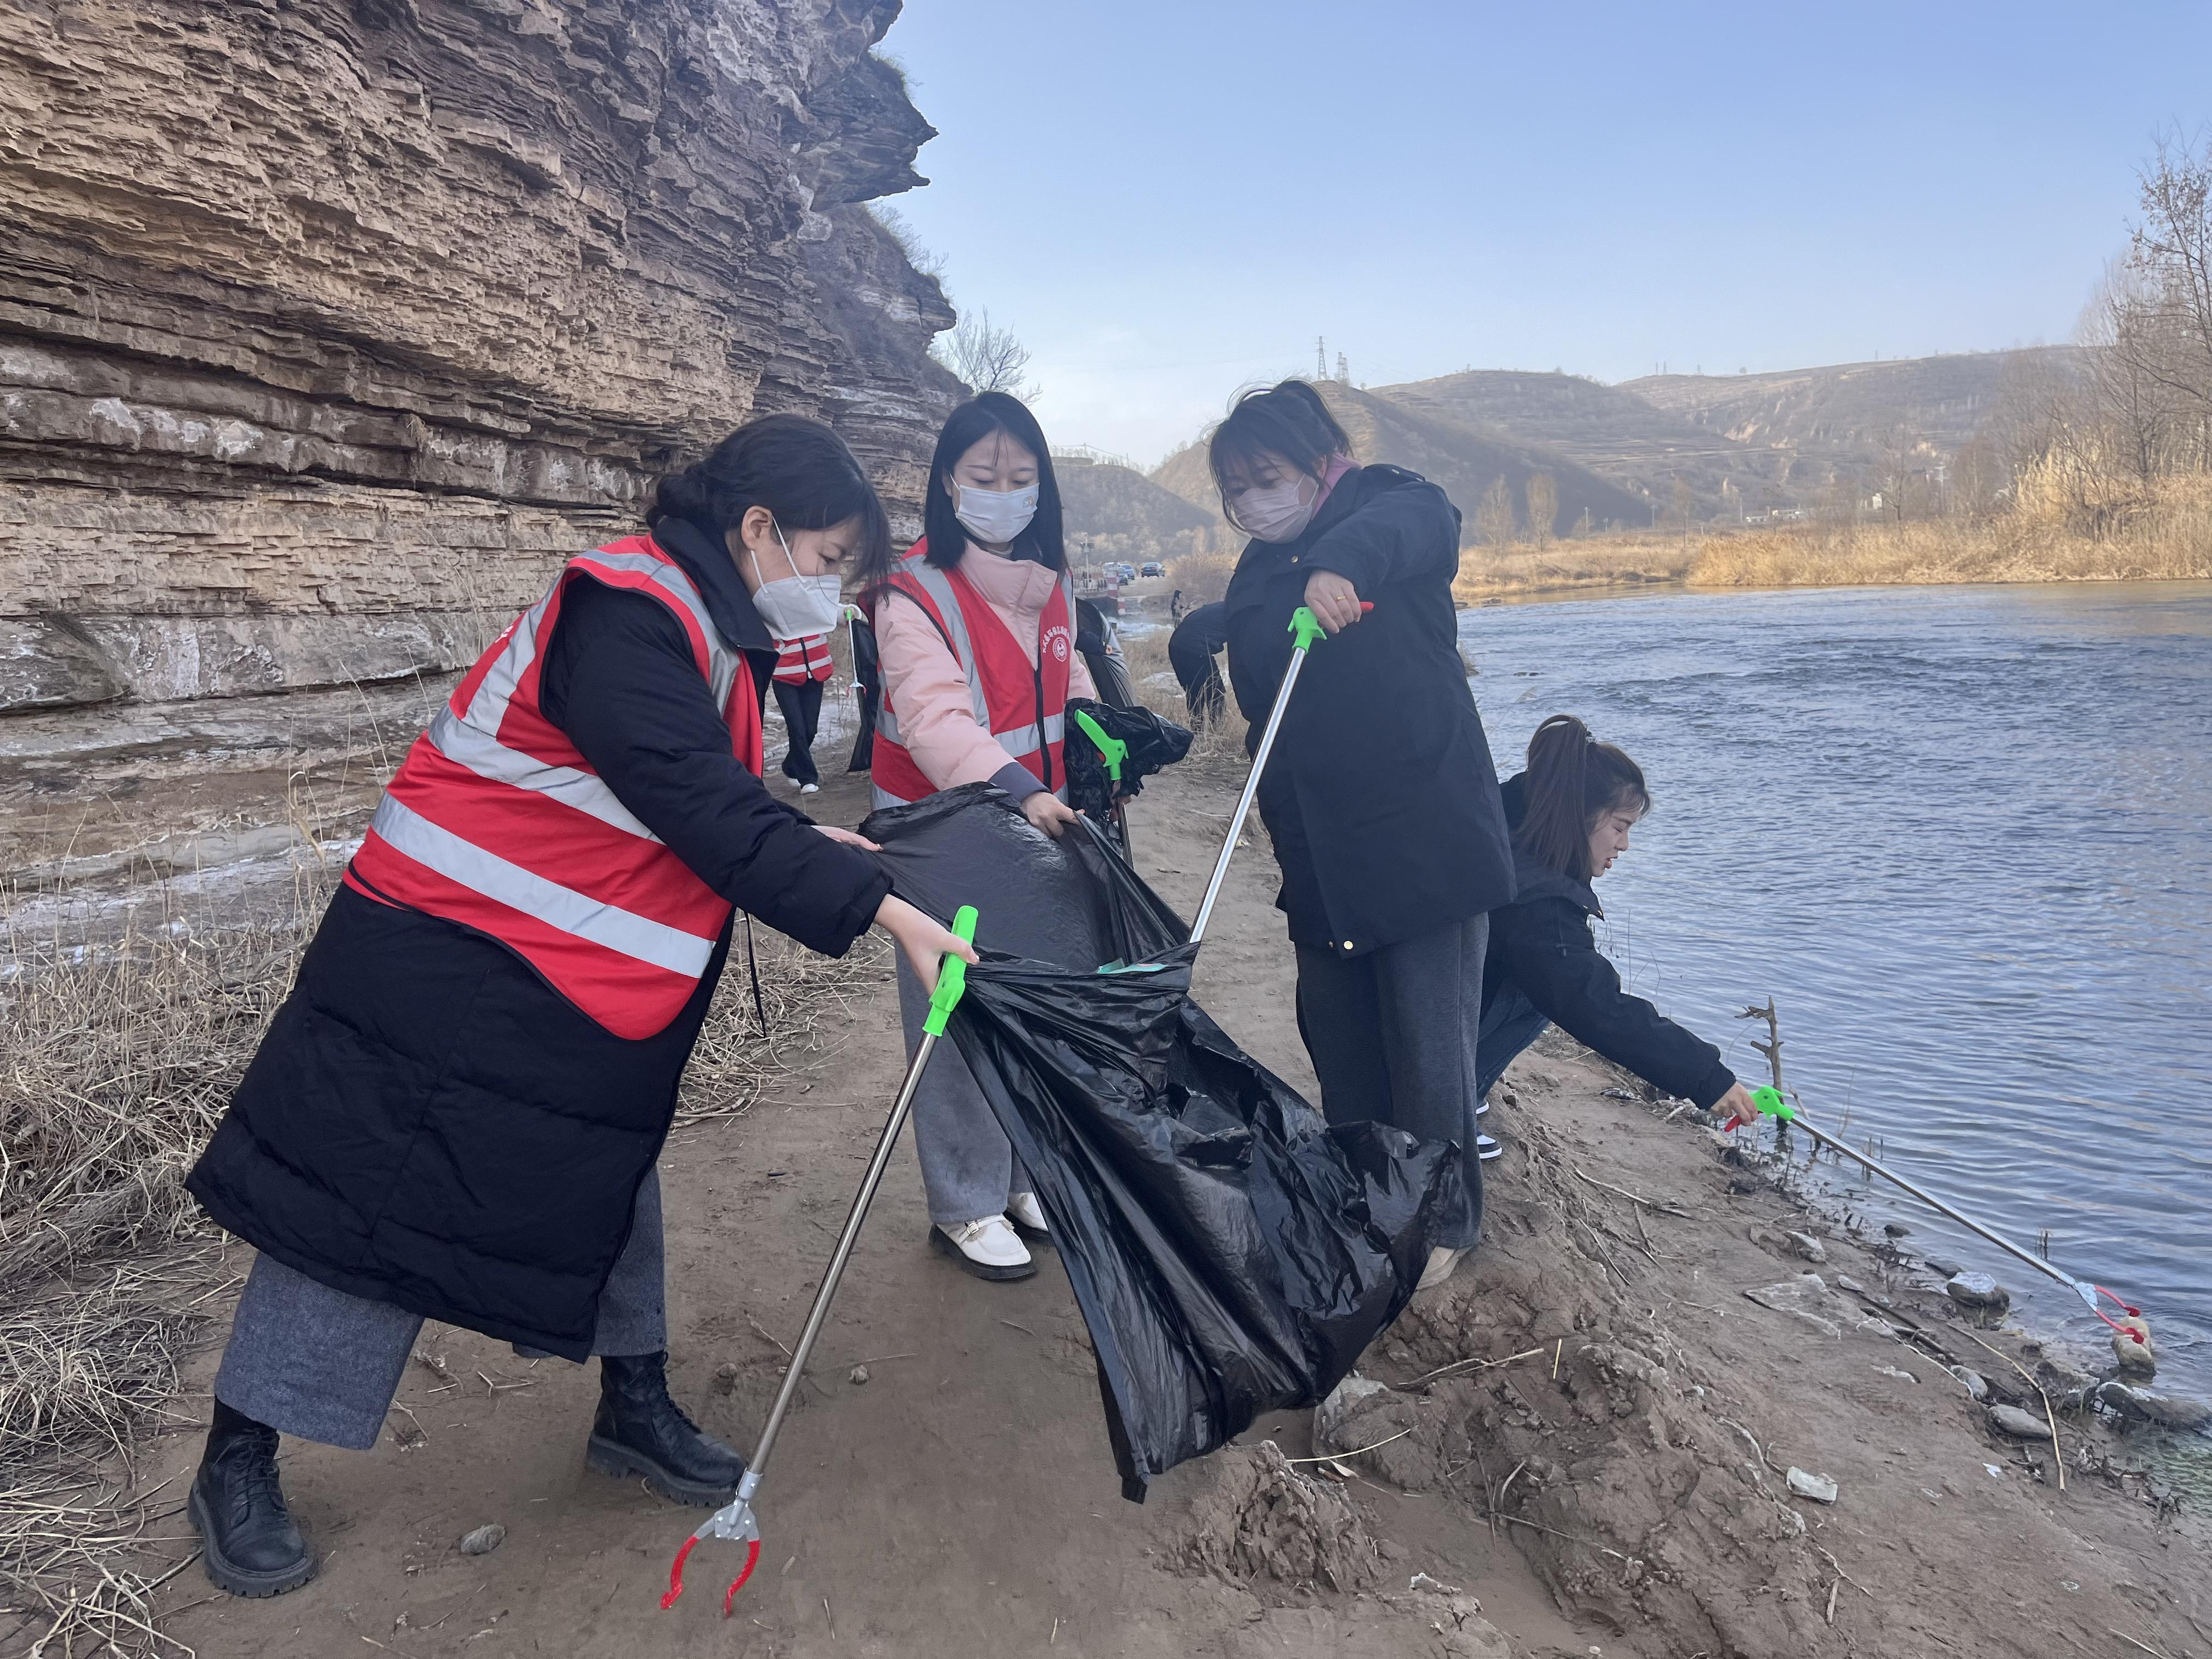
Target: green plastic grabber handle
{"points": [[1771, 1104], [1305, 627], [1112, 751], [952, 976]]}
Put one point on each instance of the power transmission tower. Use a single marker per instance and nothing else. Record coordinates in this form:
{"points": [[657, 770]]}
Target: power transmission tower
{"points": [[1321, 358]]}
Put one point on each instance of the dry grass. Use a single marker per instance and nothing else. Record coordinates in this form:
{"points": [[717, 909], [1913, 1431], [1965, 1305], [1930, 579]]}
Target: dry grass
{"points": [[2162, 532], [1216, 744], [117, 1057], [1631, 559], [1203, 577]]}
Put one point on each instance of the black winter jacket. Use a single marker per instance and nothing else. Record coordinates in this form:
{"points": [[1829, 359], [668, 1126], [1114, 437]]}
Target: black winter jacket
{"points": [[1542, 944], [1380, 794], [427, 1123]]}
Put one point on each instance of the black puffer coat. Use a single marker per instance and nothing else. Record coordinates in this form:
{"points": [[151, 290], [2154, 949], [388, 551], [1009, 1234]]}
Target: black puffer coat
{"points": [[1541, 945], [1380, 796], [427, 1123]]}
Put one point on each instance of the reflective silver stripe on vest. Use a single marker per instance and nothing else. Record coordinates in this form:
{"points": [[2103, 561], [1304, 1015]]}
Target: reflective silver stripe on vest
{"points": [[634, 936], [462, 743], [470, 740]]}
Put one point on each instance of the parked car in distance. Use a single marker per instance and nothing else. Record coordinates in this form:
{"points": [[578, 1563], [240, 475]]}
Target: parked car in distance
{"points": [[1153, 568]]}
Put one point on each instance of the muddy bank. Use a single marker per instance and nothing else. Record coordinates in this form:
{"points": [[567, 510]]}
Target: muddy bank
{"points": [[1594, 1425]]}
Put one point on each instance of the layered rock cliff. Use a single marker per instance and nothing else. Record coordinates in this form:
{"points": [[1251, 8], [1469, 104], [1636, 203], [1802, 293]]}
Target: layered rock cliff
{"points": [[327, 327]]}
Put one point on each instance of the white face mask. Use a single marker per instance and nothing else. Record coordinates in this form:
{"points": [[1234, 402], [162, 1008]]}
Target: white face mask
{"points": [[996, 516], [794, 606], [1279, 513]]}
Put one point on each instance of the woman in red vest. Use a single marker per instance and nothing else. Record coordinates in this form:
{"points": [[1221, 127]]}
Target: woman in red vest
{"points": [[457, 1113], [975, 627], [802, 667]]}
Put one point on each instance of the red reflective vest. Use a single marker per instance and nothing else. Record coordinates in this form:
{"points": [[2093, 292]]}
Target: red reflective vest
{"points": [[1023, 705], [495, 822], [799, 660]]}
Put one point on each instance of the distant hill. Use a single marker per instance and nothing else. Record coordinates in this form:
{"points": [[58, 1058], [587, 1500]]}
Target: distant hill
{"points": [[1611, 431], [1743, 443], [1463, 460], [1123, 514], [1842, 417]]}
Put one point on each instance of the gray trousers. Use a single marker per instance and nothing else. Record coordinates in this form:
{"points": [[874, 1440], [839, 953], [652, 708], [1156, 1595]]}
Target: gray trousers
{"points": [[322, 1365], [1392, 1034], [968, 1169]]}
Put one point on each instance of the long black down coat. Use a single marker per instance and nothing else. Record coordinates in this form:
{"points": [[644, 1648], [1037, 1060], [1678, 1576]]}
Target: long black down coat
{"points": [[1380, 795], [428, 1122]]}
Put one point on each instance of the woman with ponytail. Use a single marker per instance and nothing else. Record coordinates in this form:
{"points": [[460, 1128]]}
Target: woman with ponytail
{"points": [[1380, 796], [1571, 811]]}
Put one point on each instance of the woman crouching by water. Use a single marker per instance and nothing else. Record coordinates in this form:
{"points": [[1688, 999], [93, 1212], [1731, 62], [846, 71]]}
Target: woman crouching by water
{"points": [[458, 1112], [1380, 796], [1571, 811]]}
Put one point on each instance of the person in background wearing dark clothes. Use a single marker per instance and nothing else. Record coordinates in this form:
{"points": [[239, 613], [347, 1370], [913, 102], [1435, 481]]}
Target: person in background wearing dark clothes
{"points": [[1380, 795], [457, 1113], [1191, 650], [802, 667], [1571, 811]]}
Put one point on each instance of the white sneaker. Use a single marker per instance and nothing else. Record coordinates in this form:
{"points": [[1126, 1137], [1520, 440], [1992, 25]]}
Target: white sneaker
{"points": [[1442, 1265], [1486, 1149], [809, 788], [1027, 1215], [986, 1247]]}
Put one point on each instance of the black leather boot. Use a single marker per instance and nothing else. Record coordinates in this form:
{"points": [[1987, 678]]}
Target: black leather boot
{"points": [[251, 1547], [640, 1430]]}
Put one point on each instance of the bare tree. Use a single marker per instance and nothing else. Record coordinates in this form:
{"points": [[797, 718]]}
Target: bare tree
{"points": [[1543, 495], [1494, 515], [1684, 503], [2172, 250], [2120, 335], [1977, 478], [987, 358]]}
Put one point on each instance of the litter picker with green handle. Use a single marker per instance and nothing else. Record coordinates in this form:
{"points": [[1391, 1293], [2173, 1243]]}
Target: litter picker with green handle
{"points": [[1767, 1102], [1305, 629], [736, 1521], [1113, 751]]}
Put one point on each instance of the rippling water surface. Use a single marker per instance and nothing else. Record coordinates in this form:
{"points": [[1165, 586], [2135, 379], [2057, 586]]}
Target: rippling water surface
{"points": [[1960, 835]]}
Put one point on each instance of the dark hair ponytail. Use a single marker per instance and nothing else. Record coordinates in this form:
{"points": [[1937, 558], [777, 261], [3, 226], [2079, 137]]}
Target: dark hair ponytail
{"points": [[966, 426], [798, 469], [1571, 782], [1288, 419]]}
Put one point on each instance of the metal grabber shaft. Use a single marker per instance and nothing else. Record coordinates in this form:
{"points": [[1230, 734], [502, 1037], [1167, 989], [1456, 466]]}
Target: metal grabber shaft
{"points": [[1305, 629], [1768, 1102], [736, 1521]]}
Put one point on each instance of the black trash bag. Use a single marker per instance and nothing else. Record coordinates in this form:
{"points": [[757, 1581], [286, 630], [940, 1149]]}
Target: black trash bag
{"points": [[1231, 1253], [1154, 743], [867, 692]]}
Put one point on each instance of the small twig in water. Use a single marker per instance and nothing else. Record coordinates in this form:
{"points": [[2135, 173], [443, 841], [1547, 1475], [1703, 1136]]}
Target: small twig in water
{"points": [[2132, 1642]]}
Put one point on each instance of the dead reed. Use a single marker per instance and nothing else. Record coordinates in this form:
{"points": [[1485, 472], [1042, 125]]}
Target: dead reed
{"points": [[117, 1055], [2159, 531]]}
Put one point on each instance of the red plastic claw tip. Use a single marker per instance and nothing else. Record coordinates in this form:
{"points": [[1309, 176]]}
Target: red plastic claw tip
{"points": [[675, 1573], [752, 1559]]}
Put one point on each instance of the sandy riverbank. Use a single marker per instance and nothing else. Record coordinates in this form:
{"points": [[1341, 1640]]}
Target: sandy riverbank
{"points": [[961, 1501]]}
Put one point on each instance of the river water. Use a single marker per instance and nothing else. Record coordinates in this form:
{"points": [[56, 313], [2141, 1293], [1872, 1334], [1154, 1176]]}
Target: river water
{"points": [[1960, 836]]}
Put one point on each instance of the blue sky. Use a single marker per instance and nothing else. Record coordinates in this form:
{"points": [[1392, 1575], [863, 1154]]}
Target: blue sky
{"points": [[1167, 201]]}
